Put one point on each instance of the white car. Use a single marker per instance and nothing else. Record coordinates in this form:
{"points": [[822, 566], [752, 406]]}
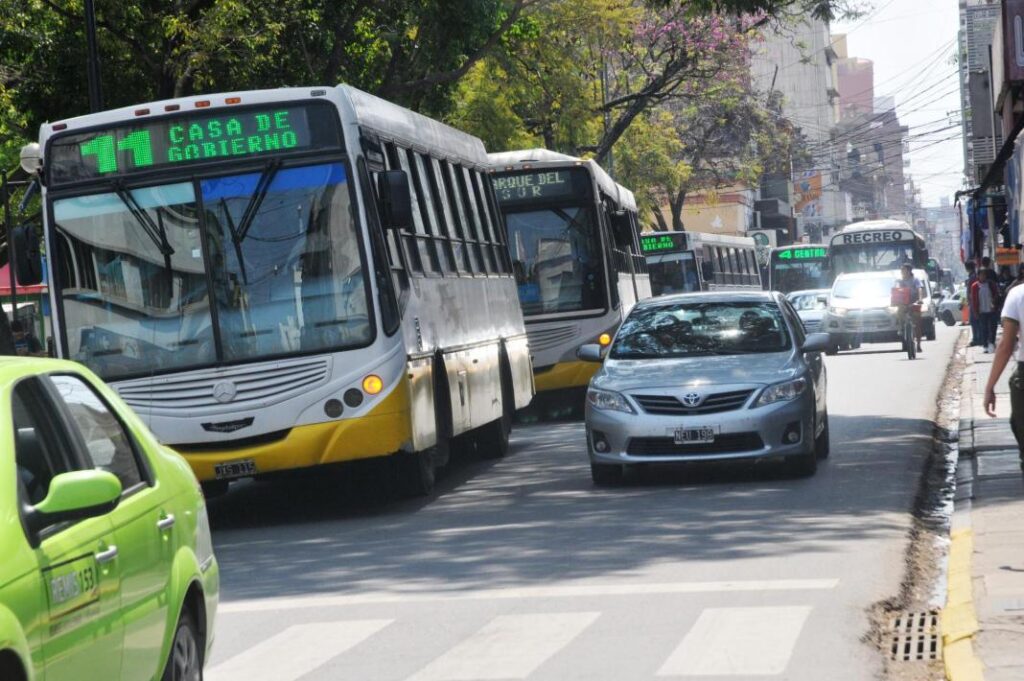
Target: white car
{"points": [[811, 306], [950, 308], [860, 309]]}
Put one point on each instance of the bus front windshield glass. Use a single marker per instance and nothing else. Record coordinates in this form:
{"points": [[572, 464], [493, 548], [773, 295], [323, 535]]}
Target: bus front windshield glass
{"points": [[280, 250], [791, 276], [557, 260], [871, 257], [673, 274]]}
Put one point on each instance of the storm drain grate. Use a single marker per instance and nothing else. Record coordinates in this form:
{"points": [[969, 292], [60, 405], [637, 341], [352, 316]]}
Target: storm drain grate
{"points": [[915, 636]]}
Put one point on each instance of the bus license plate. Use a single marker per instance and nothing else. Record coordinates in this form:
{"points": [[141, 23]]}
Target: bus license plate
{"points": [[695, 436], [235, 469]]}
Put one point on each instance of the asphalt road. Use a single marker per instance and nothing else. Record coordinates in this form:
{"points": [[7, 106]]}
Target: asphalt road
{"points": [[521, 569]]}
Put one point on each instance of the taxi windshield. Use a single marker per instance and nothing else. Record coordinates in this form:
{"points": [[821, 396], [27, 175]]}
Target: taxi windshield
{"points": [[720, 328]]}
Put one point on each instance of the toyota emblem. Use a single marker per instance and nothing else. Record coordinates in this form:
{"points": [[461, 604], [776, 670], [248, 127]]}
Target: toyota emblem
{"points": [[225, 391], [691, 399]]}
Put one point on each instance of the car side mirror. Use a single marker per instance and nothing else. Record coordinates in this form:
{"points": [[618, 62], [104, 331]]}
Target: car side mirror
{"points": [[591, 352], [395, 200], [816, 342], [28, 257], [75, 496]]}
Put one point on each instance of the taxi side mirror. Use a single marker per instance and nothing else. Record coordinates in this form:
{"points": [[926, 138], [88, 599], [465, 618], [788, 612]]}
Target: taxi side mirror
{"points": [[76, 496], [591, 352]]}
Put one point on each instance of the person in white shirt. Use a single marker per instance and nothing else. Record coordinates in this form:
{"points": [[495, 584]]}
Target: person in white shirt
{"points": [[1013, 314]]}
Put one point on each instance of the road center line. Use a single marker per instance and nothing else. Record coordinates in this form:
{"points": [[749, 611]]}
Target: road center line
{"points": [[561, 591]]}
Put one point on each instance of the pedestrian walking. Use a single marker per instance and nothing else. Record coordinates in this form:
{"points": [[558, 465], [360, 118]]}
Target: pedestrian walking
{"points": [[985, 298], [1013, 313], [972, 313]]}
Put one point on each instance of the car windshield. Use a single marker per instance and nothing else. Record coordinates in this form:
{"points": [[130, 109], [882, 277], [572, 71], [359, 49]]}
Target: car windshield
{"points": [[859, 288], [137, 268], [557, 256], [809, 301], [687, 329]]}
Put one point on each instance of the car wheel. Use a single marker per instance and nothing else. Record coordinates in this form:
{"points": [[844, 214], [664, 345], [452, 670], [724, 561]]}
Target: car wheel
{"points": [[604, 474], [492, 439], [415, 473], [948, 318], [821, 444], [185, 660]]}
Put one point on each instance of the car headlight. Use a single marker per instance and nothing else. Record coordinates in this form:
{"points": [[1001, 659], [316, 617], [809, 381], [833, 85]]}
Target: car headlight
{"points": [[782, 392], [608, 401], [838, 311]]}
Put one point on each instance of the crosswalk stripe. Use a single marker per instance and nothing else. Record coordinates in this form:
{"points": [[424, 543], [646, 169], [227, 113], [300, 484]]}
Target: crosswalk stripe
{"points": [[738, 641], [554, 591], [507, 647], [296, 651]]}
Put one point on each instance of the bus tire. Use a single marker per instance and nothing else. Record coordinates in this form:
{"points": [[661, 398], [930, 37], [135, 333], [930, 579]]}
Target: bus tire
{"points": [[415, 473], [492, 439]]}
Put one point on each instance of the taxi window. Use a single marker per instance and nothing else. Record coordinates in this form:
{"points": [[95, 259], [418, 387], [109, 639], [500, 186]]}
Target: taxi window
{"points": [[106, 441], [37, 453]]}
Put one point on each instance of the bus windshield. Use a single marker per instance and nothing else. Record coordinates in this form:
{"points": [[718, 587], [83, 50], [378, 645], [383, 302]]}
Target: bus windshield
{"points": [[798, 275], [873, 257], [273, 258], [557, 258], [675, 273]]}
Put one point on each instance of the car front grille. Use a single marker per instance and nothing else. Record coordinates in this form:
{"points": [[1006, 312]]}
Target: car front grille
{"points": [[667, 405], [729, 443]]}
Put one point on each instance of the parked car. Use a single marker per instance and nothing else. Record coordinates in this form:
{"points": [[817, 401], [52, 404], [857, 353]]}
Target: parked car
{"points": [[860, 310], [108, 569], [950, 308], [708, 377], [811, 306]]}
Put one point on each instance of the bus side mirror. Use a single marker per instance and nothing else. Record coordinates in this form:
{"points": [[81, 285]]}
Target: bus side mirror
{"points": [[396, 202], [622, 226], [27, 255], [707, 270]]}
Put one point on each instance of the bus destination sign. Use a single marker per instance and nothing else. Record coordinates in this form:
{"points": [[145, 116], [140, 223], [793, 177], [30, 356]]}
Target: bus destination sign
{"points": [[809, 253], [539, 185], [873, 236], [218, 135], [651, 244]]}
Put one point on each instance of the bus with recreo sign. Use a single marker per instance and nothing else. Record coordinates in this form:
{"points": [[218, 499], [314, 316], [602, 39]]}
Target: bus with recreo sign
{"points": [[876, 246], [801, 267], [683, 262], [285, 278], [572, 234]]}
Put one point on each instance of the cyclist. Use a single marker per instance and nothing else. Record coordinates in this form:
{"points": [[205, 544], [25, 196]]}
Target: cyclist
{"points": [[910, 301]]}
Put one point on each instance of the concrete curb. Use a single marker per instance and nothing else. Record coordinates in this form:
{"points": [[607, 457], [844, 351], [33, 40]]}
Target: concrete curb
{"points": [[958, 620]]}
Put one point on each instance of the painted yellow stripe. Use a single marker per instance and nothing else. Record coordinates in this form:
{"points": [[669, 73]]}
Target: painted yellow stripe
{"points": [[566, 375], [959, 620], [380, 432]]}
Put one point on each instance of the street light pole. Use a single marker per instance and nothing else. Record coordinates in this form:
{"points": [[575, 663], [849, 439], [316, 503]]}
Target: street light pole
{"points": [[92, 62]]}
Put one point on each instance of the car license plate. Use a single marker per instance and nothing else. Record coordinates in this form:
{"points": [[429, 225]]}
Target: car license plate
{"points": [[235, 469], [695, 436]]}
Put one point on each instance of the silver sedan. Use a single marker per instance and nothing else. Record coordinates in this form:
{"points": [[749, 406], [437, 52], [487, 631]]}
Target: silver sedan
{"points": [[708, 377]]}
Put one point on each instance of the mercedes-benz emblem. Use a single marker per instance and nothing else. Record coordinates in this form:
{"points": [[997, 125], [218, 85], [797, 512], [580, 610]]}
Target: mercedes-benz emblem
{"points": [[225, 391], [691, 399]]}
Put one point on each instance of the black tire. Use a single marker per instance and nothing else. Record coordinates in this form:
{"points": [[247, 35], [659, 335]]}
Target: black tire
{"points": [[492, 439], [415, 473], [948, 319], [605, 475], [929, 330], [185, 659], [804, 465], [831, 350], [821, 443]]}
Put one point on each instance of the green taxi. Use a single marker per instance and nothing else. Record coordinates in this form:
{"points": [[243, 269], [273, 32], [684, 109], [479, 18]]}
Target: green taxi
{"points": [[106, 563]]}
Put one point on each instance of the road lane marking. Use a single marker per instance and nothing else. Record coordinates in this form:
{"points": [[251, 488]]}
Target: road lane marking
{"points": [[738, 641], [559, 591], [296, 651], [507, 647]]}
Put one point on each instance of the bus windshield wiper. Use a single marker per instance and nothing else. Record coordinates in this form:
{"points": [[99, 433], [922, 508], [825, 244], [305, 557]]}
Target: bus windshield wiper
{"points": [[155, 231], [260, 193]]}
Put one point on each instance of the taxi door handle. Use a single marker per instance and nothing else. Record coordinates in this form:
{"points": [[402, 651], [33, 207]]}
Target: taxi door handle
{"points": [[165, 523], [107, 555]]}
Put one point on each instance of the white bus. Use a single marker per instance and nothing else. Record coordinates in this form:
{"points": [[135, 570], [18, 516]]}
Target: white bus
{"points": [[286, 278], [876, 246], [573, 239], [681, 262]]}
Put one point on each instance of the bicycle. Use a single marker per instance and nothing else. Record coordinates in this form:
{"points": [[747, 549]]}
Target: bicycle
{"points": [[908, 326]]}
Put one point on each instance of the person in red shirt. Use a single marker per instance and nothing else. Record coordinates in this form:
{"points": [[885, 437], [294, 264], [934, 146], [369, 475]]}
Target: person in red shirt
{"points": [[985, 299]]}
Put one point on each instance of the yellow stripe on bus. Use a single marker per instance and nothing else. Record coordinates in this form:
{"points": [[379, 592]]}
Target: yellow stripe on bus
{"points": [[566, 375], [380, 432]]}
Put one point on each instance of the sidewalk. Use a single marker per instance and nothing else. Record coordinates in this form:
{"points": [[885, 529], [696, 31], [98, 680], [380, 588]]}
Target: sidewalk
{"points": [[986, 566]]}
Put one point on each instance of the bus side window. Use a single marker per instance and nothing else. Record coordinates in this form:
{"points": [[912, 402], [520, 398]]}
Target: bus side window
{"points": [[383, 264], [465, 176], [401, 239], [494, 259], [421, 238], [432, 213], [449, 224], [476, 263], [463, 256]]}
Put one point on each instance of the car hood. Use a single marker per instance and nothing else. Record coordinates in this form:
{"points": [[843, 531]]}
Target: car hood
{"points": [[629, 374], [862, 303]]}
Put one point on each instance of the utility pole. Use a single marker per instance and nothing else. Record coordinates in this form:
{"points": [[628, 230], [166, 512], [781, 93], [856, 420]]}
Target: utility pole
{"points": [[92, 61]]}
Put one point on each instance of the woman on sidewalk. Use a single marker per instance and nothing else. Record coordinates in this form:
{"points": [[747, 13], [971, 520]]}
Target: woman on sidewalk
{"points": [[1013, 313], [985, 299]]}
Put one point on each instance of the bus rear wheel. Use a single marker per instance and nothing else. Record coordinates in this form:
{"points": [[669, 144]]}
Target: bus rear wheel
{"points": [[492, 439], [415, 473]]}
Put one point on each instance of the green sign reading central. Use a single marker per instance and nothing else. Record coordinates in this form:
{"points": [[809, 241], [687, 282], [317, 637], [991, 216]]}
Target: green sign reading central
{"points": [[809, 253], [224, 133], [662, 243]]}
